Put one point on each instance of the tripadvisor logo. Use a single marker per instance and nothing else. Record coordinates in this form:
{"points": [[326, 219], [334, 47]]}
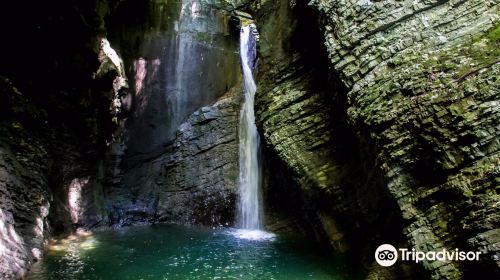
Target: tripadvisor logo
{"points": [[387, 255]]}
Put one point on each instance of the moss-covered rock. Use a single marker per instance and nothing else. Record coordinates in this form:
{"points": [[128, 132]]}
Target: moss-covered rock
{"points": [[421, 99]]}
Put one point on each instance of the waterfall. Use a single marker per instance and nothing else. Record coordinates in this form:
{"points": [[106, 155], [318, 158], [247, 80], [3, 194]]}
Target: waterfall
{"points": [[250, 199]]}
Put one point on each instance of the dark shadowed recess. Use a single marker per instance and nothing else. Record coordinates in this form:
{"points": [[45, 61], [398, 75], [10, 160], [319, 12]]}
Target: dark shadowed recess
{"points": [[50, 54]]}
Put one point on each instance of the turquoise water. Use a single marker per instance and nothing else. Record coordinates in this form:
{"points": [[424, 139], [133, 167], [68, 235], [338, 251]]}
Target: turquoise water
{"points": [[171, 252]]}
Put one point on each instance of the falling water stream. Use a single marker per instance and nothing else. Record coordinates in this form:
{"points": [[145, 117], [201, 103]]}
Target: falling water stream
{"points": [[250, 204], [250, 210]]}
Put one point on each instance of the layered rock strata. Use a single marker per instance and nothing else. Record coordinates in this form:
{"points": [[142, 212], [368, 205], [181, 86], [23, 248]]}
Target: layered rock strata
{"points": [[193, 181], [417, 90]]}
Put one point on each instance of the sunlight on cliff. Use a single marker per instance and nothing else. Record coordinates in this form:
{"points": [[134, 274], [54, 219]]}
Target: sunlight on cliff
{"points": [[140, 74], [145, 71], [112, 55], [75, 197], [39, 228], [11, 246], [8, 235]]}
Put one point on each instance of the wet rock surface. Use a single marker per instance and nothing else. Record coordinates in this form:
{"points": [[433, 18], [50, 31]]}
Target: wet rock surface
{"points": [[421, 93], [423, 90], [193, 181]]}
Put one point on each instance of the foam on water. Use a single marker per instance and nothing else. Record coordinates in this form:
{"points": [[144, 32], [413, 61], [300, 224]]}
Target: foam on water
{"points": [[253, 234]]}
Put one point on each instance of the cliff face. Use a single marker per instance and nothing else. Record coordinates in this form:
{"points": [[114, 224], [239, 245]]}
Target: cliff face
{"points": [[301, 109], [423, 90], [24, 196], [407, 134], [193, 179], [140, 127]]}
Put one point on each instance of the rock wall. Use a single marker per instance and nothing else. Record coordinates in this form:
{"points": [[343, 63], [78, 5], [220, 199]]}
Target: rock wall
{"points": [[54, 121], [24, 195], [423, 89], [72, 129], [301, 111], [405, 133], [193, 181], [201, 170], [179, 56]]}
